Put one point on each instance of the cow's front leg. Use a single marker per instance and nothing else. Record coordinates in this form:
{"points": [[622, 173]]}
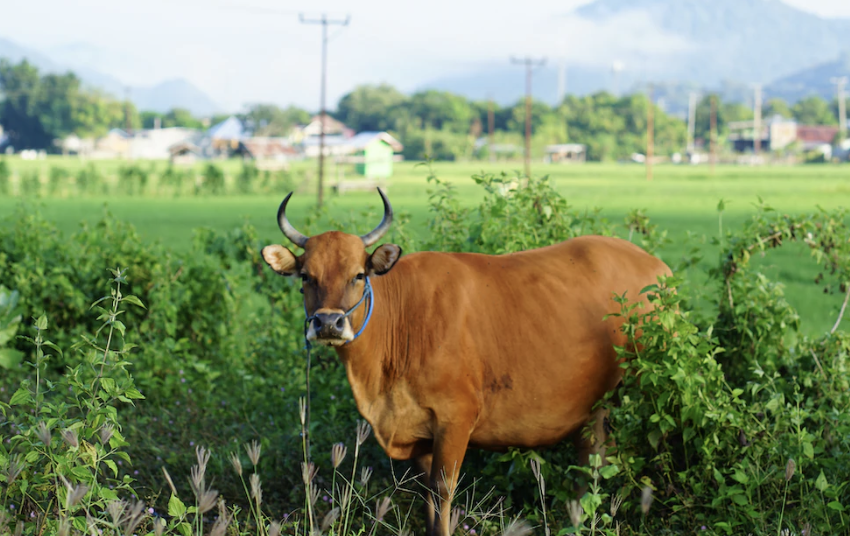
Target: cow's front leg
{"points": [[423, 465], [450, 443]]}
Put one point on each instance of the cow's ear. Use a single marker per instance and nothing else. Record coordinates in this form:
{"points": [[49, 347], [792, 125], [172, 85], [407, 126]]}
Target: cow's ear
{"points": [[383, 259], [280, 259]]}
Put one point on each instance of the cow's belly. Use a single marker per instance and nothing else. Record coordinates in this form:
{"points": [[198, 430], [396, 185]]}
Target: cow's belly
{"points": [[401, 426], [546, 400]]}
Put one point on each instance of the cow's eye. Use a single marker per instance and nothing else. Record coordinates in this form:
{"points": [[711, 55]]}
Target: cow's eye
{"points": [[359, 277], [306, 279]]}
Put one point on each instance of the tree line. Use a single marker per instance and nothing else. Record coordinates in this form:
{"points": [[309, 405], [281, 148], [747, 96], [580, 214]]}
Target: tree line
{"points": [[36, 109]]}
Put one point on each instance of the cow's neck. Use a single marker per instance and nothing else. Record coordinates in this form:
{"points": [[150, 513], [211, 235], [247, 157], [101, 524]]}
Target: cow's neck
{"points": [[371, 361]]}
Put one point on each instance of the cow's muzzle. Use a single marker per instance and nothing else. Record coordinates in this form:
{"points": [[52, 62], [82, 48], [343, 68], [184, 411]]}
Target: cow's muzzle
{"points": [[329, 328], [330, 325]]}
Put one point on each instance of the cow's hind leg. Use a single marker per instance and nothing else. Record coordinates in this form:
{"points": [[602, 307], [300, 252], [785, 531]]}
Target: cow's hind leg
{"points": [[593, 439], [423, 466]]}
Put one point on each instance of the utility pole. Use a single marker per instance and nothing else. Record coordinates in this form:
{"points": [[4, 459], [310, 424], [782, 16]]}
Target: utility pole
{"points": [[840, 82], [529, 65], [713, 130], [692, 117], [650, 135], [324, 21], [491, 123], [562, 81], [757, 121]]}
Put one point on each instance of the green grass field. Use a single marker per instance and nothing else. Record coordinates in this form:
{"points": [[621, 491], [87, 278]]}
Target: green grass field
{"points": [[680, 199]]}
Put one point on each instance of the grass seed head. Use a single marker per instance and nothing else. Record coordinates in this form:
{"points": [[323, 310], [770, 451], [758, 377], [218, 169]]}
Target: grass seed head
{"points": [[256, 488], [308, 472], [170, 482], [70, 437], [135, 516], [383, 506], [790, 468], [43, 433], [13, 469], [363, 431], [106, 432], [274, 529], [329, 519], [517, 527], [64, 527], [575, 511], [365, 475], [206, 502], [158, 526], [203, 456], [454, 520], [616, 501], [236, 463], [253, 449], [338, 452], [645, 499], [197, 481], [75, 495]]}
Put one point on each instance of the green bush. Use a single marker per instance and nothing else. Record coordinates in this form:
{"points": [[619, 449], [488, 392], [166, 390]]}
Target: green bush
{"points": [[213, 180]]}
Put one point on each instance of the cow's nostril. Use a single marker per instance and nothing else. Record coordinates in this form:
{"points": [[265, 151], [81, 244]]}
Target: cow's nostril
{"points": [[340, 323], [317, 323]]}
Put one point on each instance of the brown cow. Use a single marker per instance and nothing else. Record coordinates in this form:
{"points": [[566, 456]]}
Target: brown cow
{"points": [[467, 350]]}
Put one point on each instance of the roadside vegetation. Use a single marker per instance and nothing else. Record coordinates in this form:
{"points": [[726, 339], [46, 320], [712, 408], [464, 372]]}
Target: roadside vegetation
{"points": [[153, 390]]}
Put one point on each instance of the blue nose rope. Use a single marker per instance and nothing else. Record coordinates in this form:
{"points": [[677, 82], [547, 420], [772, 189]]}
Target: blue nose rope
{"points": [[367, 291]]}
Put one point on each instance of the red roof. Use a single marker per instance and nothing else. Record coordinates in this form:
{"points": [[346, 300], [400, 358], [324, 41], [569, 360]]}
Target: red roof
{"points": [[816, 133]]}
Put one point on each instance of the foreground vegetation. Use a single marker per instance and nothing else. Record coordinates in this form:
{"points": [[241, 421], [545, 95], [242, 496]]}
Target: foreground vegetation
{"points": [[737, 421]]}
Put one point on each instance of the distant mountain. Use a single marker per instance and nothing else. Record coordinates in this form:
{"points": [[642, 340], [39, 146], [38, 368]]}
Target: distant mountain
{"points": [[812, 81], [717, 44], [176, 93]]}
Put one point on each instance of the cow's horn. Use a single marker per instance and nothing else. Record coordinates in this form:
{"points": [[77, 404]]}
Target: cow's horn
{"points": [[288, 230], [383, 227]]}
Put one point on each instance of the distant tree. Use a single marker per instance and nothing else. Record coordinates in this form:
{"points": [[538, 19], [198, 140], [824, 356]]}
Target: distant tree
{"points": [[148, 118], [726, 113], [778, 107], [180, 117], [19, 85], [36, 110], [270, 120], [371, 107], [814, 111], [442, 110]]}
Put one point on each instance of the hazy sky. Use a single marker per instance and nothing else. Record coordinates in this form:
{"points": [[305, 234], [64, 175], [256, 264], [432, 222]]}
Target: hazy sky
{"points": [[256, 50]]}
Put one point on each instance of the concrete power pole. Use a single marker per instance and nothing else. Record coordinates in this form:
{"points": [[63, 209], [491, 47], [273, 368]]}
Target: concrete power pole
{"points": [[650, 134], [324, 21], [757, 121], [529, 66], [692, 117], [713, 132], [562, 81], [841, 82], [491, 124]]}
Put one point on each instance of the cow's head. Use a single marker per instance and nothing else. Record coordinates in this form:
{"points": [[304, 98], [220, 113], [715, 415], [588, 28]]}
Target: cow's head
{"points": [[333, 270]]}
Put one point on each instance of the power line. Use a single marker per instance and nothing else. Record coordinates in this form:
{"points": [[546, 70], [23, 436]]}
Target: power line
{"points": [[324, 21], [529, 67]]}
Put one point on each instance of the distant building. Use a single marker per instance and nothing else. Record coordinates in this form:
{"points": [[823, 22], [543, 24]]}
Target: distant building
{"points": [[155, 144], [374, 152], [775, 133], [813, 137], [566, 153]]}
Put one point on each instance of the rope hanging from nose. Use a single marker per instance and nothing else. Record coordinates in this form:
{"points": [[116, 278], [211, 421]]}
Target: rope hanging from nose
{"points": [[367, 291]]}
